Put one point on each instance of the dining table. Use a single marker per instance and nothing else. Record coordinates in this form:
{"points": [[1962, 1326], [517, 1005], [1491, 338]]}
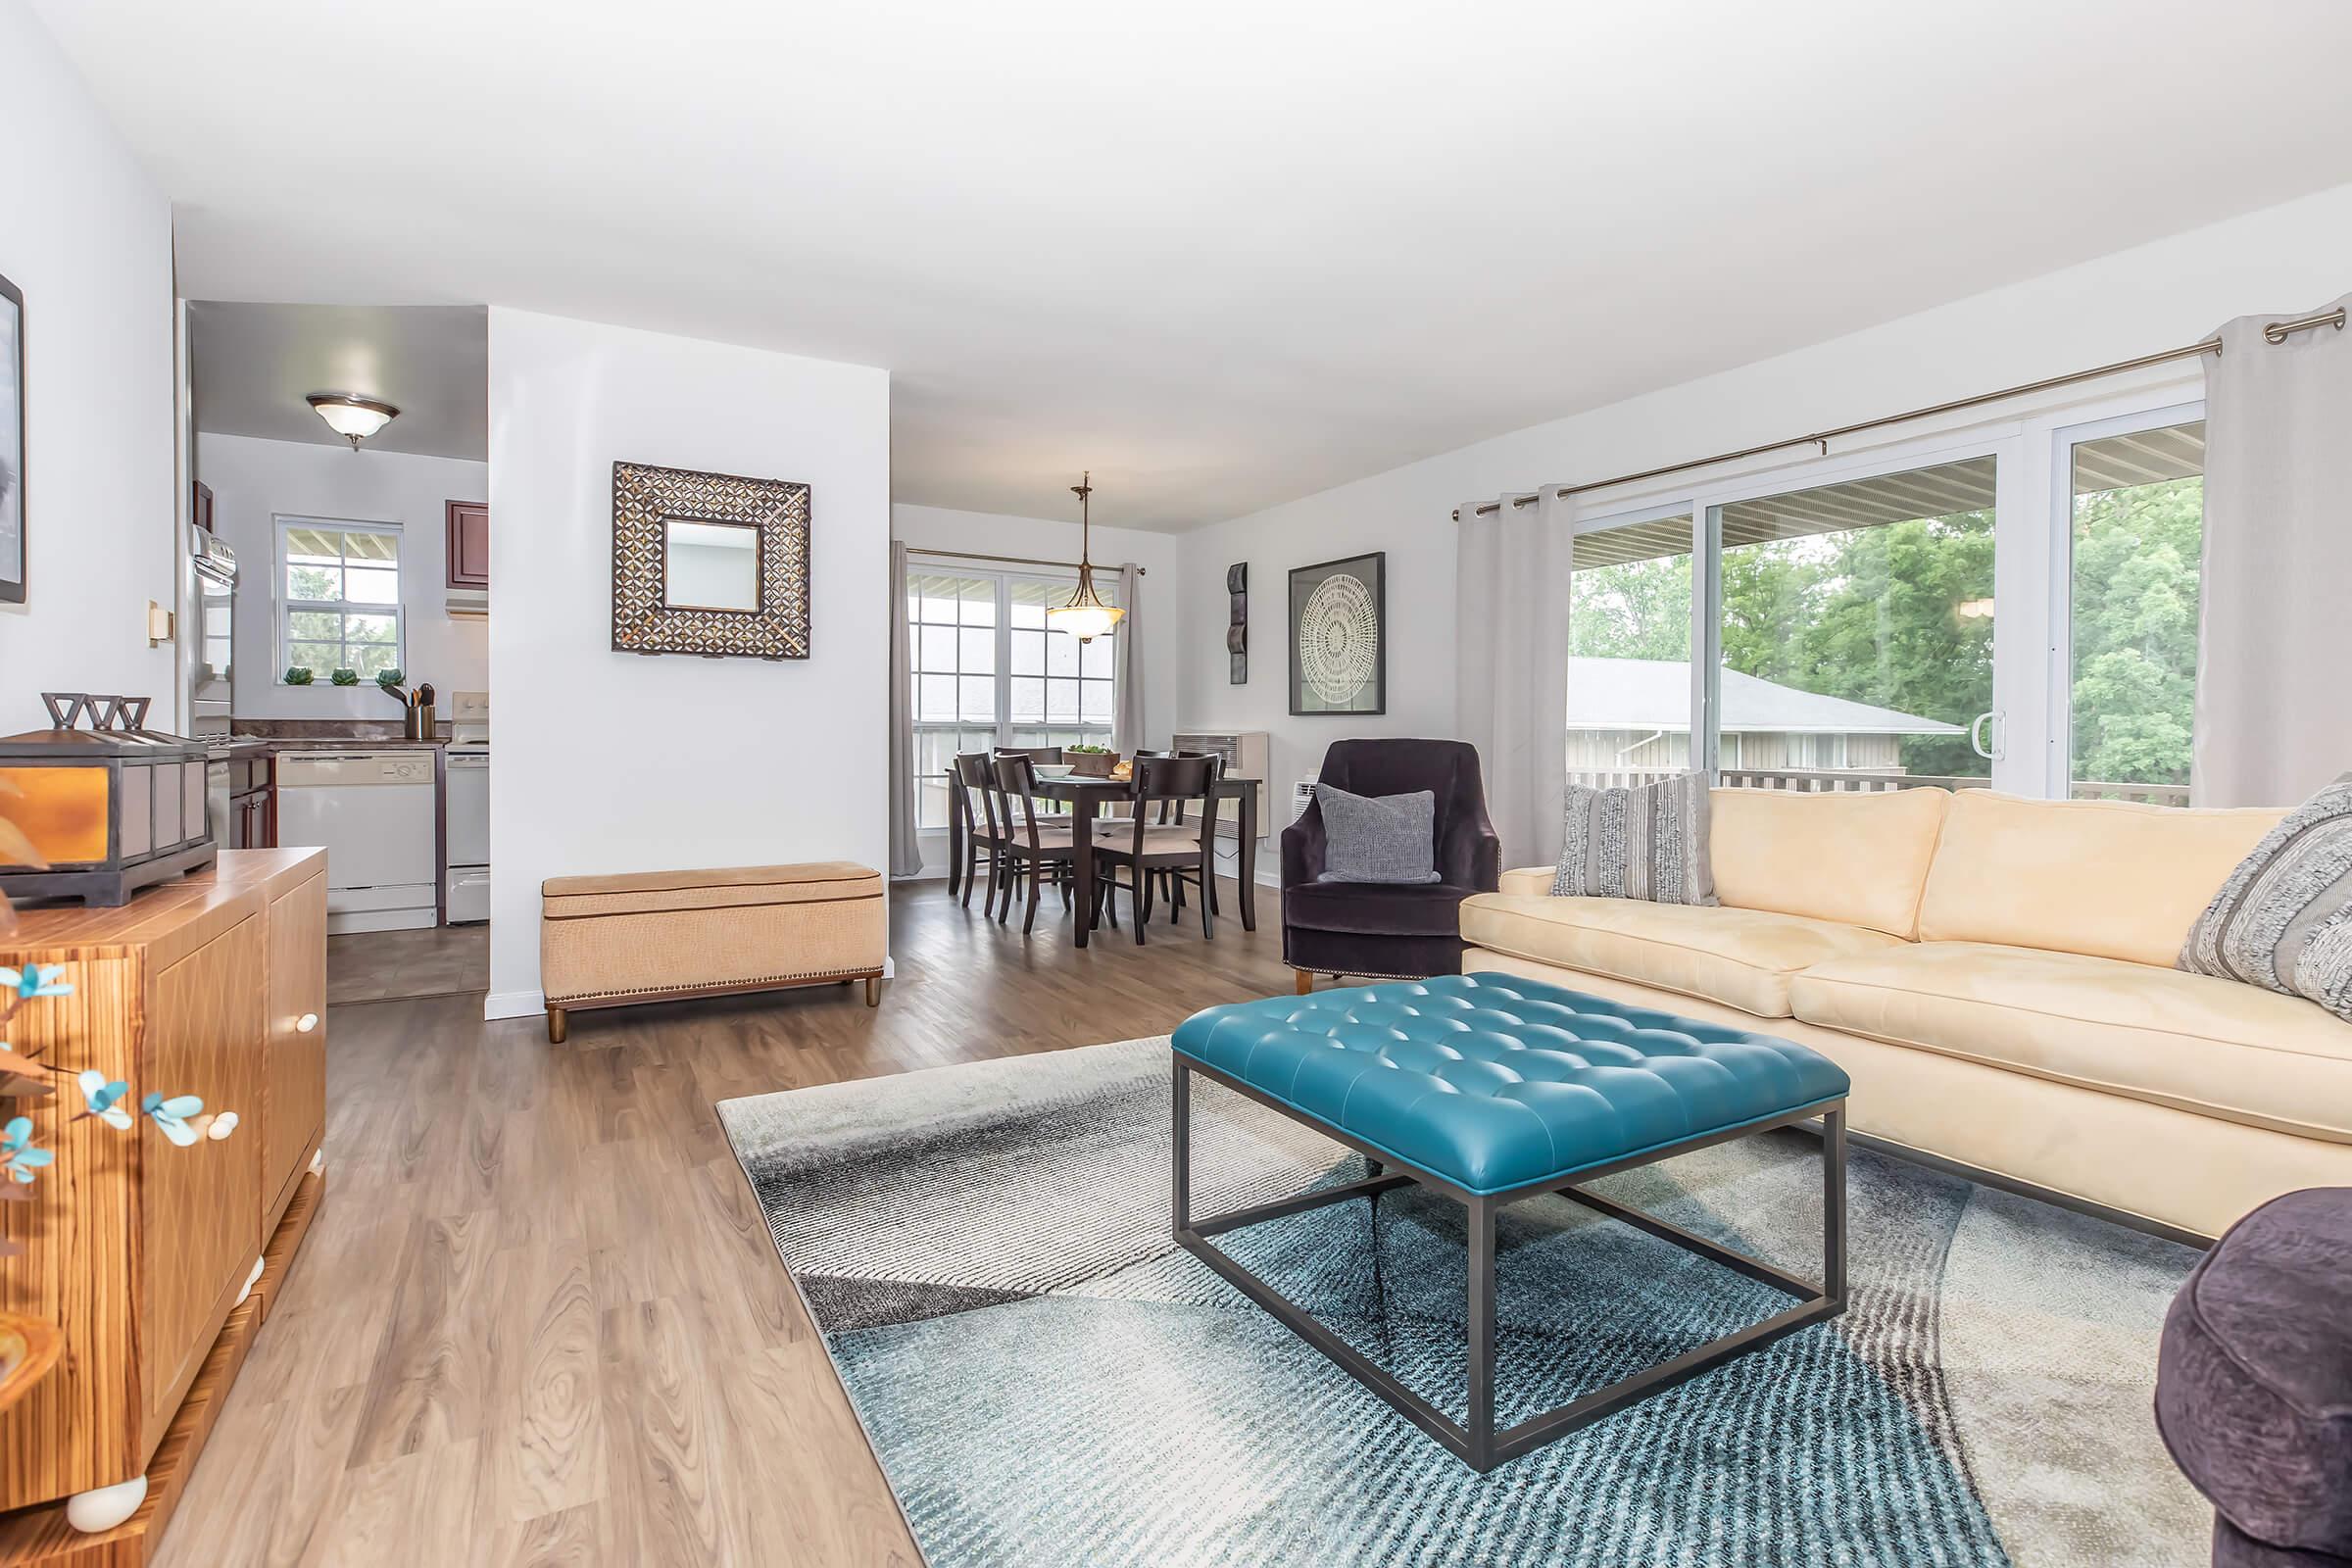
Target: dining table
{"points": [[1086, 797]]}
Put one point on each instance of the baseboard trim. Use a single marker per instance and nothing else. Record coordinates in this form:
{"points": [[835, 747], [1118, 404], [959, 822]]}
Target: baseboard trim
{"points": [[513, 1005], [2023, 1189]]}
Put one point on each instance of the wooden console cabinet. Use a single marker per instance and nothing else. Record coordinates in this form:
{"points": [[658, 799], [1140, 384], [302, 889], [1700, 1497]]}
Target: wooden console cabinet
{"points": [[148, 1256]]}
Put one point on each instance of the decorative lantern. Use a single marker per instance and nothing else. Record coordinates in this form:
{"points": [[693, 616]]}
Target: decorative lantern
{"points": [[113, 808]]}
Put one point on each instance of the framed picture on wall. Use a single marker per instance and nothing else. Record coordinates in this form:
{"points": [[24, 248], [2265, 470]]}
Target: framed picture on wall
{"points": [[12, 444], [1339, 636]]}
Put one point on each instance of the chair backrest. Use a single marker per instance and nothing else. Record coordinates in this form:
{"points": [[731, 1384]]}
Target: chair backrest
{"points": [[1014, 782], [1035, 754], [1178, 779], [1173, 810], [1448, 769], [974, 776]]}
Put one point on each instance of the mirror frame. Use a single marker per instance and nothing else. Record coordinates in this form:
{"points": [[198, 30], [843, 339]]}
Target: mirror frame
{"points": [[645, 500]]}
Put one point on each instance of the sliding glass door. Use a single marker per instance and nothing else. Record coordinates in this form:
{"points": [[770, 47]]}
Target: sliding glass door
{"points": [[1854, 632]]}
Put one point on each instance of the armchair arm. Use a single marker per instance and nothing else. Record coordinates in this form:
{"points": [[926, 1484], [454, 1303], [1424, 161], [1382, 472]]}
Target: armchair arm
{"points": [[1471, 854], [1302, 847]]}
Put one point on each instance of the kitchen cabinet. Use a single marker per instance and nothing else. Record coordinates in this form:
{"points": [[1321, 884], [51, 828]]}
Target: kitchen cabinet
{"points": [[468, 544], [157, 1263], [253, 803]]}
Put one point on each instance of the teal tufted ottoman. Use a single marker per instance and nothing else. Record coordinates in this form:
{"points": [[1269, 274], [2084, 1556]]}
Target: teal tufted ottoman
{"points": [[1488, 1088]]}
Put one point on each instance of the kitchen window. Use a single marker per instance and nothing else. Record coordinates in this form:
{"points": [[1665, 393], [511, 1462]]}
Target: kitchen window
{"points": [[989, 672], [338, 591]]}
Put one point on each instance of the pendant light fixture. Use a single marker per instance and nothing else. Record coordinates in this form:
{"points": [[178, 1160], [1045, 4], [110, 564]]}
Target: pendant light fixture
{"points": [[352, 417], [1086, 616]]}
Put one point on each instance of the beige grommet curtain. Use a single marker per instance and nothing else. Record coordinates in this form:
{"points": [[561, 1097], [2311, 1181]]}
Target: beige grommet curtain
{"points": [[2273, 715], [1511, 670]]}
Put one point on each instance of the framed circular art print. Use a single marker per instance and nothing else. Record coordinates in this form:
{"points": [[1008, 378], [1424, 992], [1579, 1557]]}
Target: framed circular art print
{"points": [[1339, 636]]}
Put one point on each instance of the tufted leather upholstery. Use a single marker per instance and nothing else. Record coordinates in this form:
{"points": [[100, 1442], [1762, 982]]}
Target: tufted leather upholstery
{"points": [[1493, 1082]]}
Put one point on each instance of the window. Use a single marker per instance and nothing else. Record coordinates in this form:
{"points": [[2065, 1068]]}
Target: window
{"points": [[2137, 547], [338, 596], [987, 672], [1629, 647]]}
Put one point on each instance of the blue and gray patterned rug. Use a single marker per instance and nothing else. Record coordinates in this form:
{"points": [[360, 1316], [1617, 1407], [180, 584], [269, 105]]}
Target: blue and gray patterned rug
{"points": [[1049, 1381]]}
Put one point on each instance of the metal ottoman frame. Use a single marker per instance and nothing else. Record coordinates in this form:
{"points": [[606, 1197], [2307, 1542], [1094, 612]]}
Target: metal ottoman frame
{"points": [[1477, 1443]]}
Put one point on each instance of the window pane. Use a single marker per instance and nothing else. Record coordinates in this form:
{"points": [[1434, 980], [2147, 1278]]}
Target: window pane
{"points": [[935, 648], [979, 608], [1061, 701], [372, 586], [319, 658], [979, 650], [939, 612], [2139, 547], [1028, 613], [979, 699], [369, 657], [935, 697], [1095, 657], [1857, 627], [1061, 654], [1094, 701], [314, 582], [315, 625], [1629, 666], [1028, 652], [1028, 700], [371, 628]]}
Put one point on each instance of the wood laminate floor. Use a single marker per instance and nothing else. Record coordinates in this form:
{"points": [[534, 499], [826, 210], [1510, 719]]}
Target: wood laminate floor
{"points": [[388, 965], [539, 1319]]}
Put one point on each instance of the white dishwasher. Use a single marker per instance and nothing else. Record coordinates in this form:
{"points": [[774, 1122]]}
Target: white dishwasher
{"points": [[374, 812]]}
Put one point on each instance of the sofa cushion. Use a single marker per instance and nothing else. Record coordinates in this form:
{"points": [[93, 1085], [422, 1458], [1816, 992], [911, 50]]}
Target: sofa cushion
{"points": [[2213, 1046], [1378, 838], [1644, 841], [1374, 908], [1740, 957], [2284, 920], [2109, 878], [1855, 858]]}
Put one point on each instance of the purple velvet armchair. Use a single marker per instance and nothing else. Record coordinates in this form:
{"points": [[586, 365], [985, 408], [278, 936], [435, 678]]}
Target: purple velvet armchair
{"points": [[1377, 930]]}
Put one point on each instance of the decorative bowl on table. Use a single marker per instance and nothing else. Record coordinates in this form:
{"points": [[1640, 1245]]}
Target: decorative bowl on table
{"points": [[1092, 764], [1051, 769]]}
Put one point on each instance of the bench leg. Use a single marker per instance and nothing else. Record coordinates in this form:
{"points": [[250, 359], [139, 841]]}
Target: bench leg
{"points": [[1480, 1425], [1832, 1206], [873, 990], [559, 1024], [1180, 1177], [1305, 982]]}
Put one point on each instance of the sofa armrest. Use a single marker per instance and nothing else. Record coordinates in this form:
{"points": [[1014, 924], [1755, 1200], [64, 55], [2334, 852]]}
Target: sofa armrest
{"points": [[1531, 881]]}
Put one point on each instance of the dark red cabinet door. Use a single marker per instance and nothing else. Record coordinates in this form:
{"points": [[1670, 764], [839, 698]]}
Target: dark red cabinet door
{"points": [[468, 544]]}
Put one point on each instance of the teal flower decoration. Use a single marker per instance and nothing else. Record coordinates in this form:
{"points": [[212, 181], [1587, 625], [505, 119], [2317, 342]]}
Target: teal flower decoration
{"points": [[105, 1100], [37, 980], [17, 1150], [173, 1114]]}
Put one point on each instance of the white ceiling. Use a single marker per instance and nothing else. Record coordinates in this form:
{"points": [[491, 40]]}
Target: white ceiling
{"points": [[1221, 255], [253, 366]]}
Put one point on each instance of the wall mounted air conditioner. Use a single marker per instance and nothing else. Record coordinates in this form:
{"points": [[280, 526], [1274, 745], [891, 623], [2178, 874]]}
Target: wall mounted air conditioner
{"points": [[1303, 796]]}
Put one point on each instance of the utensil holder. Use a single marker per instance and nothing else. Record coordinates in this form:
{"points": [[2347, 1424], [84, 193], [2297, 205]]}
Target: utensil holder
{"points": [[419, 721]]}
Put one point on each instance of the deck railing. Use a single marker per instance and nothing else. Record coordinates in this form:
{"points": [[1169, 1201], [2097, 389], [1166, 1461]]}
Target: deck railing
{"points": [[1832, 781]]}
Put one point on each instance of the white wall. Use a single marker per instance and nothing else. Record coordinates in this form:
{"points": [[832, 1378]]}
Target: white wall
{"points": [[1164, 627], [2153, 297], [254, 481], [88, 239], [613, 761]]}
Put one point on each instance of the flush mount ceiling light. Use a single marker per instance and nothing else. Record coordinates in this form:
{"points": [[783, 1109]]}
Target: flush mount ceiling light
{"points": [[1086, 616], [353, 417]]}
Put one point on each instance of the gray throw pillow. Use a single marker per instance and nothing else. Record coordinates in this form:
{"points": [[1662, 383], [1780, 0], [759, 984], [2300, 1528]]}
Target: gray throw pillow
{"points": [[2284, 920], [1378, 838], [1649, 842]]}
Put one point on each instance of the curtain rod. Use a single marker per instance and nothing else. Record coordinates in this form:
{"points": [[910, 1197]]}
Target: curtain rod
{"points": [[1017, 561], [2275, 333]]}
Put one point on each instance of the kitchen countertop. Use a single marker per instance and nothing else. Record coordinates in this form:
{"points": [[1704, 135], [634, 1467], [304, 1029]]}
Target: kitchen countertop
{"points": [[328, 743]]}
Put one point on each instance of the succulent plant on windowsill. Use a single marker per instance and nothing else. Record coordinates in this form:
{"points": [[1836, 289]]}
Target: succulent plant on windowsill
{"points": [[345, 677], [299, 675]]}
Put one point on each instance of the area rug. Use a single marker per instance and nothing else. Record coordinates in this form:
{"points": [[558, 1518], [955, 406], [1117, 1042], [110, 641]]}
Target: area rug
{"points": [[1049, 1380]]}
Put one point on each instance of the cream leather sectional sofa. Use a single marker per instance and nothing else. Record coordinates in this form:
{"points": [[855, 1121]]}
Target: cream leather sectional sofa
{"points": [[1995, 975]]}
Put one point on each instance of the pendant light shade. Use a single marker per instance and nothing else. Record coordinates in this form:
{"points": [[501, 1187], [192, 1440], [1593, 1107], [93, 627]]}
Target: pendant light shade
{"points": [[353, 417], [1086, 616]]}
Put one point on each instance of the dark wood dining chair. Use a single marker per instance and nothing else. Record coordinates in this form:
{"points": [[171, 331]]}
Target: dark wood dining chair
{"points": [[984, 835], [1038, 754], [1171, 813], [1032, 850], [1169, 856]]}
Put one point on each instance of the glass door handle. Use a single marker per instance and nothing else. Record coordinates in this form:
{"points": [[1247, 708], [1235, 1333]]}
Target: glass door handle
{"points": [[1993, 726]]}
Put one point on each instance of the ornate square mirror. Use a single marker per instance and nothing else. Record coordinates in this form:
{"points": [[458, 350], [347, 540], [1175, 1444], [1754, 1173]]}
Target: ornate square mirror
{"points": [[715, 565]]}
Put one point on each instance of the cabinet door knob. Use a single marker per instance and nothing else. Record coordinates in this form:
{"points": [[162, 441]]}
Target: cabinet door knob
{"points": [[305, 1023]]}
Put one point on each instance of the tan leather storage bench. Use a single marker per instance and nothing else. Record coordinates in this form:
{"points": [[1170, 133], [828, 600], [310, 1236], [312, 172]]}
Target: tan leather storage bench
{"points": [[661, 935]]}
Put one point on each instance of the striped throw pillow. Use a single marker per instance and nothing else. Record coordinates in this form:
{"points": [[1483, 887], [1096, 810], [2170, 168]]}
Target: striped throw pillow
{"points": [[2284, 920], [1649, 842]]}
